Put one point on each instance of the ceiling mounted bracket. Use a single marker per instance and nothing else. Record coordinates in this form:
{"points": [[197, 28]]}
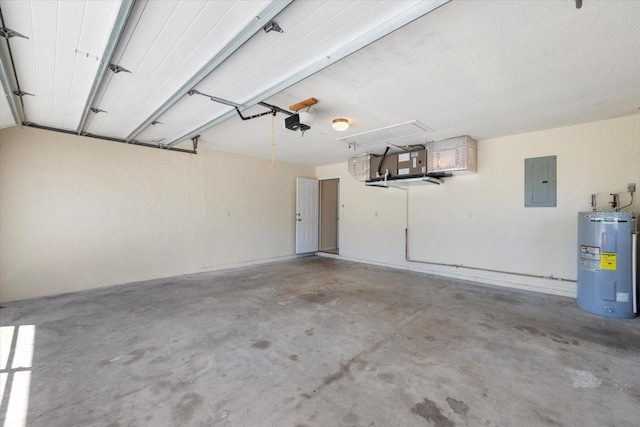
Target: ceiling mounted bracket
{"points": [[156, 122], [194, 140], [272, 26], [97, 110], [118, 69], [307, 103], [22, 93], [8, 33]]}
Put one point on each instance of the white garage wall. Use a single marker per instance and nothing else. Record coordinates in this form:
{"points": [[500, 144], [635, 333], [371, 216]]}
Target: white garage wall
{"points": [[79, 213], [479, 220]]}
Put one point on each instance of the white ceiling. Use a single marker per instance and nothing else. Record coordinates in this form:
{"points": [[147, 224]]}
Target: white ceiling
{"points": [[59, 77], [479, 68]]}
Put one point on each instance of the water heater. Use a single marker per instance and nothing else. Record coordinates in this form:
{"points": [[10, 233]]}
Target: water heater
{"points": [[607, 263]]}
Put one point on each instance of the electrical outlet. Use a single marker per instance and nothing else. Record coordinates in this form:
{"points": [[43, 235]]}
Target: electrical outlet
{"points": [[631, 188]]}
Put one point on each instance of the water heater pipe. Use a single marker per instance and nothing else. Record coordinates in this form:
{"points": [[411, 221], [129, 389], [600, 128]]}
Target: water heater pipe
{"points": [[491, 270], [634, 270]]}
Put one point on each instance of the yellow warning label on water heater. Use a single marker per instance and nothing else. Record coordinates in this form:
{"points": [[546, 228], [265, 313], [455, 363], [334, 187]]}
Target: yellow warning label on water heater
{"points": [[608, 261]]}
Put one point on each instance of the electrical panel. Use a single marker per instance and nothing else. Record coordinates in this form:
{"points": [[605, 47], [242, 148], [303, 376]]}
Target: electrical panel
{"points": [[540, 182]]}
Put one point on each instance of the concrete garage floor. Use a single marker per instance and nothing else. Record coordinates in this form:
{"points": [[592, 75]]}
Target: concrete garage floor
{"points": [[324, 342]]}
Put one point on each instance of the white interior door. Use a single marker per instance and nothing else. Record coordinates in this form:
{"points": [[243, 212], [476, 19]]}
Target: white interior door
{"points": [[307, 197]]}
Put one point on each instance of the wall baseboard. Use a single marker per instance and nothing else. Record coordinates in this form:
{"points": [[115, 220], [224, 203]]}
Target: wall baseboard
{"points": [[512, 281], [249, 263]]}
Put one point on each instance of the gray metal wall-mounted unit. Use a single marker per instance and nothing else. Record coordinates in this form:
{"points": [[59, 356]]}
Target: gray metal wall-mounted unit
{"points": [[607, 263]]}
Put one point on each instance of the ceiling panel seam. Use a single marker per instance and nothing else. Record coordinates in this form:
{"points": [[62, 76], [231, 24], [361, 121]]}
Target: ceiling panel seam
{"points": [[123, 48], [155, 42], [271, 11], [212, 30], [55, 64], [35, 61], [285, 51], [118, 29], [213, 27], [68, 117], [167, 57], [120, 50]]}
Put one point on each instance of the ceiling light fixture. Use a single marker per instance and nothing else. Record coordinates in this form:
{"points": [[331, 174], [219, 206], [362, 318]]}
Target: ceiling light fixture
{"points": [[340, 124]]}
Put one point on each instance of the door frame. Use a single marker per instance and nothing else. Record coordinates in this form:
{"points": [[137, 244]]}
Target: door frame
{"points": [[338, 212]]}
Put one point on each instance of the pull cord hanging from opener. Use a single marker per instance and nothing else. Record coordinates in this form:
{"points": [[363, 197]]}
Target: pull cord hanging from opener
{"points": [[273, 139]]}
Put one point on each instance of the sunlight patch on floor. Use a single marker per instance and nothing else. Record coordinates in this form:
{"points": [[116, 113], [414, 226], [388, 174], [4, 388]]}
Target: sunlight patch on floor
{"points": [[16, 358]]}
